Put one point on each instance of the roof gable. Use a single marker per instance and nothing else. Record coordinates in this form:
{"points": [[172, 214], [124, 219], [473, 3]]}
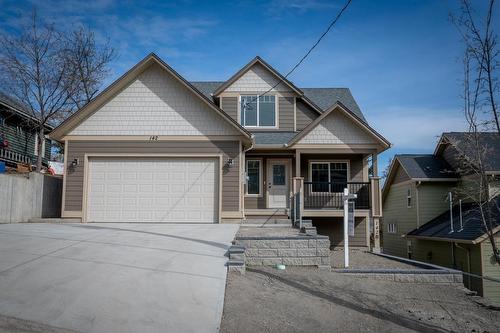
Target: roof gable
{"points": [[338, 125], [154, 104], [257, 73], [463, 145], [128, 79]]}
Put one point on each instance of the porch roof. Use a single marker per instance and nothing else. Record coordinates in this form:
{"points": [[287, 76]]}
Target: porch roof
{"points": [[273, 138]]}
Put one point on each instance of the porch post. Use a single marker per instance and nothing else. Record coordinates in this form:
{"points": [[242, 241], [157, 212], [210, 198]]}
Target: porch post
{"points": [[297, 163], [375, 165], [376, 211]]}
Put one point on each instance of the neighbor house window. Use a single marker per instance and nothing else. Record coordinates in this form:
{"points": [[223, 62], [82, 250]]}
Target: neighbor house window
{"points": [[408, 198], [328, 176], [391, 228], [254, 176], [258, 111]]}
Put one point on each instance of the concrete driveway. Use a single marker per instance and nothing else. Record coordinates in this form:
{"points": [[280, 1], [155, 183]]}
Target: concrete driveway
{"points": [[112, 277]]}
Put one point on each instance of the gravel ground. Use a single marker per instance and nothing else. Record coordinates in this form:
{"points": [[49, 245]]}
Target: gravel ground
{"points": [[360, 259], [309, 300]]}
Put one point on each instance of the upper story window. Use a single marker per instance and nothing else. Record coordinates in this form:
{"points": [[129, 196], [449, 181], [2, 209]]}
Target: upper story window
{"points": [[258, 111]]}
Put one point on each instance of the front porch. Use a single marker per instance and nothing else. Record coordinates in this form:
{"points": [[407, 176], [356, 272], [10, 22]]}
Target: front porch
{"points": [[276, 181]]}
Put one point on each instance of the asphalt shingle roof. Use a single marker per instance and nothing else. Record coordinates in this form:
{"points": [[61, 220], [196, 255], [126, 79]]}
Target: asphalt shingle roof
{"points": [[273, 138], [425, 166], [324, 98], [440, 226], [489, 141]]}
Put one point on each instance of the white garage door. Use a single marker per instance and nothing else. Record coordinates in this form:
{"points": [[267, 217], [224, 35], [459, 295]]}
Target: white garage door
{"points": [[153, 190]]}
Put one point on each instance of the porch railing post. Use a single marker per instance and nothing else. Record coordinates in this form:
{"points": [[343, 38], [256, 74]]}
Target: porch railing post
{"points": [[298, 200], [376, 211]]}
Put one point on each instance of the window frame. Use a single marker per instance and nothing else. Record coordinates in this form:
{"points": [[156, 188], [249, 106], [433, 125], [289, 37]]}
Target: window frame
{"points": [[409, 198], [242, 115], [311, 162], [255, 195]]}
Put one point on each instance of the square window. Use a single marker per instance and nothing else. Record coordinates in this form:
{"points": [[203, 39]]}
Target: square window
{"points": [[258, 111]]}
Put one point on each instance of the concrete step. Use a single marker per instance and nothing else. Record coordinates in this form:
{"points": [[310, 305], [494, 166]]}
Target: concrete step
{"points": [[311, 231], [267, 221], [54, 220]]}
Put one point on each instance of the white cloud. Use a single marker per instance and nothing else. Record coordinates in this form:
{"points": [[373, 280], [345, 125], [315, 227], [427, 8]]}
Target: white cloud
{"points": [[415, 128]]}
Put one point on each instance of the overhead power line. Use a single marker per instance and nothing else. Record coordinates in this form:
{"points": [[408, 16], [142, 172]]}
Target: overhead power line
{"points": [[330, 26]]}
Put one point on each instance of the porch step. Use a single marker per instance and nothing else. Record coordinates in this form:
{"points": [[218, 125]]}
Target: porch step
{"points": [[236, 262], [310, 231], [305, 223], [267, 222]]}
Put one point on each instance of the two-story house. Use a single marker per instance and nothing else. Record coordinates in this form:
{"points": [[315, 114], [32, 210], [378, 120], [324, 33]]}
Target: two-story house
{"points": [[418, 223], [18, 139], [153, 147]]}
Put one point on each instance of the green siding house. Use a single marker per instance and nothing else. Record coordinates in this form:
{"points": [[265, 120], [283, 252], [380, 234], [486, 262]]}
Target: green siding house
{"points": [[18, 139], [417, 224]]}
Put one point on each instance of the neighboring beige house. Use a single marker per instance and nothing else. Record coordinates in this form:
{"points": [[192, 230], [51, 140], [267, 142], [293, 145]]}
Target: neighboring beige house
{"points": [[416, 207], [153, 147]]}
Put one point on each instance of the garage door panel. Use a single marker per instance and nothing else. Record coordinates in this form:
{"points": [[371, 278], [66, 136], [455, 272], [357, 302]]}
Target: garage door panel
{"points": [[153, 190]]}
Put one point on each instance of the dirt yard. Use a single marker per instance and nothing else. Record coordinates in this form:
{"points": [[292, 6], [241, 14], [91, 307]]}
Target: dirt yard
{"points": [[359, 259], [309, 300]]}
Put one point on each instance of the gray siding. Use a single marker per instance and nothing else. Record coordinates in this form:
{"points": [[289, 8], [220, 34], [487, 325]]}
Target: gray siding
{"points": [[400, 175], [286, 117], [230, 106], [77, 149], [432, 202], [305, 115], [490, 289], [396, 211], [333, 227]]}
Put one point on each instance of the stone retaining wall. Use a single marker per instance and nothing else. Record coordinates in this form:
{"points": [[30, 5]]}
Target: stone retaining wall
{"points": [[411, 277], [288, 250]]}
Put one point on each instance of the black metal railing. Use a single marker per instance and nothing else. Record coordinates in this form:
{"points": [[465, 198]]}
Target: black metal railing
{"points": [[329, 195]]}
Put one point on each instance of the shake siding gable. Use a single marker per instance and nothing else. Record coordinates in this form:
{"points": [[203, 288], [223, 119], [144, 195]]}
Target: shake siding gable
{"points": [[155, 103], [257, 79], [337, 128]]}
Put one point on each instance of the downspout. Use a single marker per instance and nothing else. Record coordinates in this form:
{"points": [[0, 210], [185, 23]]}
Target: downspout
{"points": [[417, 184], [244, 173], [467, 251]]}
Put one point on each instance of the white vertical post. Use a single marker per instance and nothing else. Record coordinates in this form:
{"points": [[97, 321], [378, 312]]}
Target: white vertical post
{"points": [[451, 211], [461, 222], [346, 226]]}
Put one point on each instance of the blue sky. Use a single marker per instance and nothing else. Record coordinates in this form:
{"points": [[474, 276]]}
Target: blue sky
{"points": [[401, 59]]}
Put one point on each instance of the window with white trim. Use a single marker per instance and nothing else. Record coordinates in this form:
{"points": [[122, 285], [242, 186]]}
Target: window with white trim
{"points": [[391, 228], [254, 177], [408, 198], [328, 176], [258, 111]]}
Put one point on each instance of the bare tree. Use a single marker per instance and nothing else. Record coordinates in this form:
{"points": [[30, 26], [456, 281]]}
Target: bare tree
{"points": [[52, 73], [90, 62], [481, 43], [474, 153]]}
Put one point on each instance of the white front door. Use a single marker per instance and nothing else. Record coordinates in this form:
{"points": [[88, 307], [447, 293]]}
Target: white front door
{"points": [[277, 183]]}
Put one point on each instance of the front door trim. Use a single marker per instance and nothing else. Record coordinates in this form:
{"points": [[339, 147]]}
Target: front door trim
{"points": [[269, 177]]}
